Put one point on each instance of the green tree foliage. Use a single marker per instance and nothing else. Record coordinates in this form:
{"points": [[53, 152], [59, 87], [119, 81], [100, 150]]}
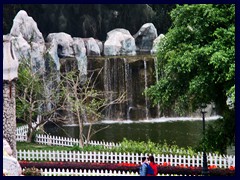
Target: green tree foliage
{"points": [[28, 96], [162, 19], [196, 60], [33, 97], [219, 135]]}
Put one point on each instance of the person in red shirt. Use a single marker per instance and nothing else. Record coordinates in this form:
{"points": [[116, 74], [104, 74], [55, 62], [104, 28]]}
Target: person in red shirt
{"points": [[153, 165]]}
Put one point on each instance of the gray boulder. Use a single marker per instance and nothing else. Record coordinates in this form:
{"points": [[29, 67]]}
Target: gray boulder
{"points": [[92, 47], [10, 61], [63, 42], [119, 42], [27, 27], [62, 45], [80, 54], [155, 43], [28, 41], [144, 37]]}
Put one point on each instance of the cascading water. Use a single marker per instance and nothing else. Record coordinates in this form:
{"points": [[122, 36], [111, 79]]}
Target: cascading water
{"points": [[67, 65], [157, 78], [146, 86], [117, 76], [107, 86], [131, 76], [128, 83], [114, 86]]}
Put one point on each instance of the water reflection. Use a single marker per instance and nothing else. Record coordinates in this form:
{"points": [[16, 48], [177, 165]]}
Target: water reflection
{"points": [[184, 132]]}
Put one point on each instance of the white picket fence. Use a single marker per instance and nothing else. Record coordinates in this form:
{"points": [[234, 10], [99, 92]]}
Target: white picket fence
{"points": [[114, 157], [66, 141], [22, 129], [70, 142], [224, 161], [21, 132], [45, 139], [80, 172]]}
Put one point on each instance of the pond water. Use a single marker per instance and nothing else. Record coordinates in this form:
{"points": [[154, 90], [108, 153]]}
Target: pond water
{"points": [[180, 131]]}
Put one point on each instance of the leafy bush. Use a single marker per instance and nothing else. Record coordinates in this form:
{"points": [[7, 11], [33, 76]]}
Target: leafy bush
{"points": [[125, 146], [31, 171], [152, 148]]}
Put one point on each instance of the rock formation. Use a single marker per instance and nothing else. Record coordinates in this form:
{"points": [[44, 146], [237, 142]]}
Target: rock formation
{"points": [[10, 68], [144, 37], [155, 43], [119, 42]]}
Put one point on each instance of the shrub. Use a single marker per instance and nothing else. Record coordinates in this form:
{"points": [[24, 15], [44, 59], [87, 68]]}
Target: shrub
{"points": [[162, 169], [31, 171]]}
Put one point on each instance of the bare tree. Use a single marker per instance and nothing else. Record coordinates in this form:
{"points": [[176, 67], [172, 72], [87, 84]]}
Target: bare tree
{"points": [[69, 95], [84, 102], [31, 98]]}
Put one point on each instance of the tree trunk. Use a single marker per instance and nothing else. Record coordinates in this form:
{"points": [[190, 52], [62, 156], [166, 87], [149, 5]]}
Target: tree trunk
{"points": [[80, 124], [89, 133], [29, 138], [9, 115], [29, 134]]}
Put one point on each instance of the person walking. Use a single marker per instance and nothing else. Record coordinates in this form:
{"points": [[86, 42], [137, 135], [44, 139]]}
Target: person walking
{"points": [[143, 167], [153, 165]]}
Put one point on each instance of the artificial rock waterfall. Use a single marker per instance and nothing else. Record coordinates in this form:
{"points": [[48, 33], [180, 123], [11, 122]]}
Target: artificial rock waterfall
{"points": [[123, 69]]}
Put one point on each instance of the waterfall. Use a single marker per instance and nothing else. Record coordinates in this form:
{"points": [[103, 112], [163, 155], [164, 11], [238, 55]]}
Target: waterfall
{"points": [[70, 117], [114, 87], [129, 75], [157, 78], [67, 67], [128, 84], [82, 67], [146, 86], [107, 86]]}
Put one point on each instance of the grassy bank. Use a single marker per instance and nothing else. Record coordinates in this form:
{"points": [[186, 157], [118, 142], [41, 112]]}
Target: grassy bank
{"points": [[126, 146]]}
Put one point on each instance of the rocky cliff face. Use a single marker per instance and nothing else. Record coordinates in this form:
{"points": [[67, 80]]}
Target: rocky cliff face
{"points": [[129, 75]]}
